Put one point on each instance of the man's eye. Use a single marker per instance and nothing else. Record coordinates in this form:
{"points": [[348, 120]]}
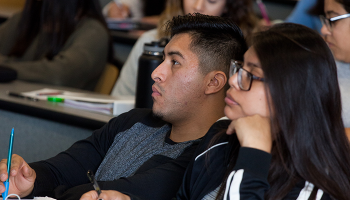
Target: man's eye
{"points": [[175, 62]]}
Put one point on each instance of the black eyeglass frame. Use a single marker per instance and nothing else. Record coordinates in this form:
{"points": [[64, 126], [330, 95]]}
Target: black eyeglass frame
{"points": [[329, 22], [237, 66]]}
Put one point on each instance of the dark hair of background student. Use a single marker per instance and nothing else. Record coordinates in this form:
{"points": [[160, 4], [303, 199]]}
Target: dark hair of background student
{"points": [[309, 137], [239, 11], [346, 4], [54, 21], [318, 9], [214, 39]]}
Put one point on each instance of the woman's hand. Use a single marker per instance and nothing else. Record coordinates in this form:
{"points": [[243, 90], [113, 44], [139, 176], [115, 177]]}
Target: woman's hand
{"points": [[252, 131], [105, 195]]}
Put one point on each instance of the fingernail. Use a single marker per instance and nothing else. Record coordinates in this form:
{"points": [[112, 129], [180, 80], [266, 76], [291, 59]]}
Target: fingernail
{"points": [[1, 187]]}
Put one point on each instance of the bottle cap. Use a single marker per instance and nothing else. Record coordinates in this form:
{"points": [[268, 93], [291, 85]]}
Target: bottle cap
{"points": [[155, 47]]}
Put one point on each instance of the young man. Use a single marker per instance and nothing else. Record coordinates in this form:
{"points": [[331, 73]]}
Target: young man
{"points": [[144, 153]]}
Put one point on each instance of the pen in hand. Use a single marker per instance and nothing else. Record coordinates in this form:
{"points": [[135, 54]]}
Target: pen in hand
{"points": [[7, 182], [91, 176]]}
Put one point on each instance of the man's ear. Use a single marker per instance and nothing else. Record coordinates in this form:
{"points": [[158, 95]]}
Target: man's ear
{"points": [[216, 82]]}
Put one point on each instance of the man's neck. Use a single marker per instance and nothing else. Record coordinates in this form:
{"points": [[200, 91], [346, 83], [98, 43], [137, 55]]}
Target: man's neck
{"points": [[192, 130]]}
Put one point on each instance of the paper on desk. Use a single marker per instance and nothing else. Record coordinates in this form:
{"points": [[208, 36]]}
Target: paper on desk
{"points": [[69, 95], [86, 101], [106, 108]]}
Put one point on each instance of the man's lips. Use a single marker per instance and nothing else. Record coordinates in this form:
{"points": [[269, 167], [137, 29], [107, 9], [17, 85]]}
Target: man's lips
{"points": [[155, 91], [229, 100]]}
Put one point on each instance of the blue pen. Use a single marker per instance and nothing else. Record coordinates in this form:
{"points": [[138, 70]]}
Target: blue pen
{"points": [[7, 182]]}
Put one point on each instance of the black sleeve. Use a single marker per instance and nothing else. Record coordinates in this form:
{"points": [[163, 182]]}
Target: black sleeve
{"points": [[68, 168], [249, 178], [159, 178]]}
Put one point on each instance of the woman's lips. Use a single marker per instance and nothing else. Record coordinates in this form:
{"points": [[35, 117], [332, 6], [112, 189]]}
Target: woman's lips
{"points": [[329, 44], [230, 101]]}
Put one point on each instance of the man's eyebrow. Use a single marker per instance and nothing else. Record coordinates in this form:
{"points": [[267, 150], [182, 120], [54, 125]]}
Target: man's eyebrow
{"points": [[176, 53]]}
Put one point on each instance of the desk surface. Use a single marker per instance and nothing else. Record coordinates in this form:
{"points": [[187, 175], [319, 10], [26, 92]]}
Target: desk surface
{"points": [[50, 110]]}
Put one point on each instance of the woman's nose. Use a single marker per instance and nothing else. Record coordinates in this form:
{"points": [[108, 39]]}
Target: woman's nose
{"points": [[198, 6], [233, 81], [324, 30]]}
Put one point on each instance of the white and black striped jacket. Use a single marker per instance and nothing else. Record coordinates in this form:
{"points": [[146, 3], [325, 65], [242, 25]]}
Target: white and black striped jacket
{"points": [[248, 180]]}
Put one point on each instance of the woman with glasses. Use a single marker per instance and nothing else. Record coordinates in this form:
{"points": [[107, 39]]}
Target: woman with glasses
{"points": [[286, 139], [336, 32]]}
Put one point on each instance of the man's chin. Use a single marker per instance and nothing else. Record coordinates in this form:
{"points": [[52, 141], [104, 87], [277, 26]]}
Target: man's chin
{"points": [[158, 114]]}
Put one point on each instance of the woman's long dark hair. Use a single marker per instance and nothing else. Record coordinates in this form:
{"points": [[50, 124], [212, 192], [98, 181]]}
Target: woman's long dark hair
{"points": [[55, 21], [309, 136], [311, 144]]}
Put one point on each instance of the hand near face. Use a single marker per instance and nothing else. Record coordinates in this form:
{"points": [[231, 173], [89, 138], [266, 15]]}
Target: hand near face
{"points": [[252, 131], [22, 176], [118, 11], [105, 195]]}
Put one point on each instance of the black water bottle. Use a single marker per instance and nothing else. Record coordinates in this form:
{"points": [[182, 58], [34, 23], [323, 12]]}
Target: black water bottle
{"points": [[150, 59]]}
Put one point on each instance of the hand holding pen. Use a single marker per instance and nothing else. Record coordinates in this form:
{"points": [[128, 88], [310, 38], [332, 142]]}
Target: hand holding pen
{"points": [[106, 195], [16, 177], [7, 182]]}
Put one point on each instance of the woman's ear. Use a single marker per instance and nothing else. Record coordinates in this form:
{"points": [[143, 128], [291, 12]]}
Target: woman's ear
{"points": [[216, 82]]}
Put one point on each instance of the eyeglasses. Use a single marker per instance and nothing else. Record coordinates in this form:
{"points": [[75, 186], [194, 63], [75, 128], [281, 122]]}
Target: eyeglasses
{"points": [[244, 78], [330, 22]]}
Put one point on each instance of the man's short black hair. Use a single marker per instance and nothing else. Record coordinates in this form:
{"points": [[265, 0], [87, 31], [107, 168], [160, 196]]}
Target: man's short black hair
{"points": [[215, 40]]}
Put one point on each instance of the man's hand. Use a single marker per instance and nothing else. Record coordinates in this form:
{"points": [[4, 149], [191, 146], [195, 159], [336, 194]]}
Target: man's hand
{"points": [[105, 195], [118, 11], [22, 177], [252, 131]]}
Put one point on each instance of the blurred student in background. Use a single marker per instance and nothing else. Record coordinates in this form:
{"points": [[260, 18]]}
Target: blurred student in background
{"points": [[147, 11], [286, 139], [336, 32], [240, 11], [59, 42]]}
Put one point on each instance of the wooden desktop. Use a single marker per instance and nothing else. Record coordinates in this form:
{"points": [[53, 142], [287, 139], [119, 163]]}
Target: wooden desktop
{"points": [[43, 128]]}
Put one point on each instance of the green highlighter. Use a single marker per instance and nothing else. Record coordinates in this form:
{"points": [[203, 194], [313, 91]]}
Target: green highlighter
{"points": [[55, 99]]}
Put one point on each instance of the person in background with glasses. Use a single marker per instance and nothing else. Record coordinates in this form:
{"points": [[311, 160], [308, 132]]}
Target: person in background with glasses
{"points": [[336, 32], [286, 139]]}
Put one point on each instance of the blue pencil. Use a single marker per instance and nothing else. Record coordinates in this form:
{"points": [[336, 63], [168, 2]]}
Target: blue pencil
{"points": [[7, 182]]}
